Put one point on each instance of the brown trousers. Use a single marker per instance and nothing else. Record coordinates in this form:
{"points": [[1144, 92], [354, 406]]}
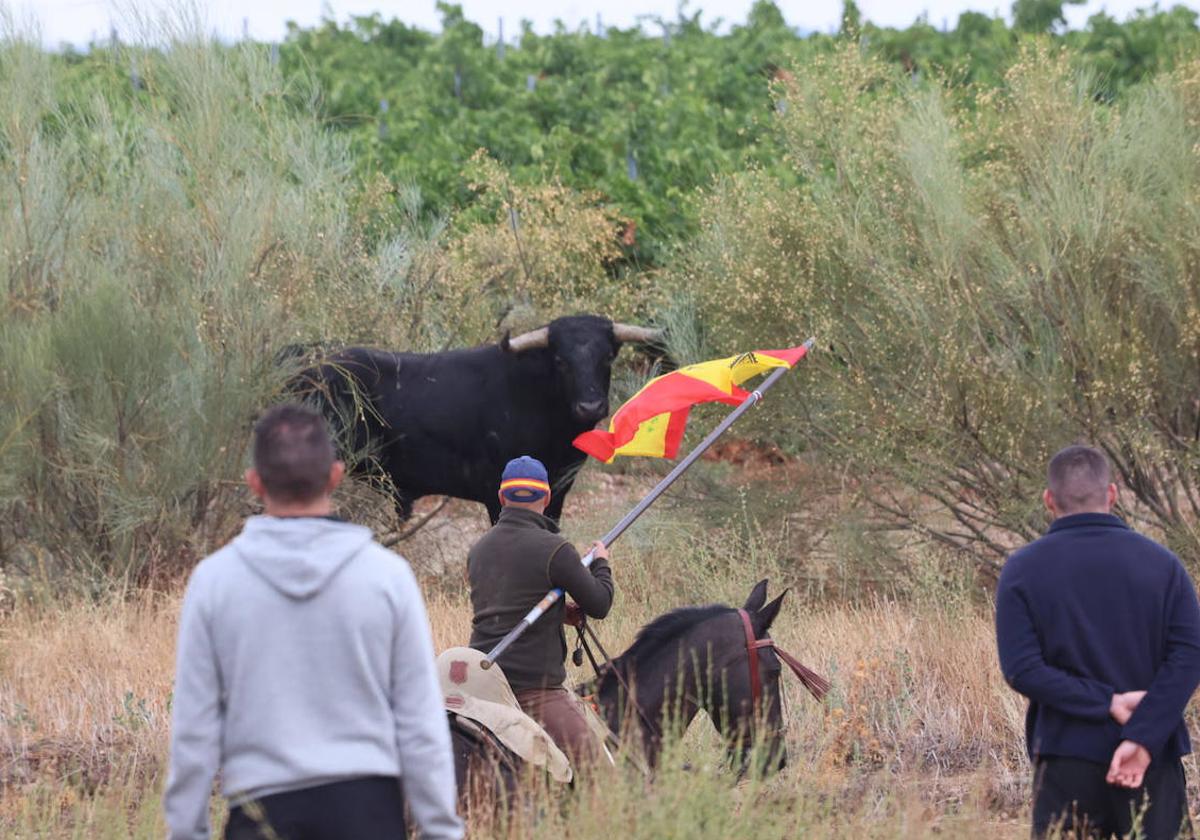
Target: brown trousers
{"points": [[559, 713]]}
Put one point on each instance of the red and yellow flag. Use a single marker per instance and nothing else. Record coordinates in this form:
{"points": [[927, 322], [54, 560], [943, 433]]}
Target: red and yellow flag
{"points": [[653, 420]]}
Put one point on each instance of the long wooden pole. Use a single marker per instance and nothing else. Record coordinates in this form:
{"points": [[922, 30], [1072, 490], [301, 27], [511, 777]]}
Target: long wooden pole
{"points": [[628, 519]]}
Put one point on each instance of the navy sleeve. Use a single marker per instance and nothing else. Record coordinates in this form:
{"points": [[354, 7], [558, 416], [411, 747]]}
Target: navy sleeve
{"points": [[1161, 711], [1026, 670]]}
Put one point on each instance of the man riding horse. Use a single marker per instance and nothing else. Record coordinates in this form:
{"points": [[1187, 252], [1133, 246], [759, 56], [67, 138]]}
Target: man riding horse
{"points": [[510, 569]]}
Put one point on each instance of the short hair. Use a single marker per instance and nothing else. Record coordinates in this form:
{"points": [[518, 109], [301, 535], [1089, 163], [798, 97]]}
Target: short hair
{"points": [[1078, 478], [293, 453]]}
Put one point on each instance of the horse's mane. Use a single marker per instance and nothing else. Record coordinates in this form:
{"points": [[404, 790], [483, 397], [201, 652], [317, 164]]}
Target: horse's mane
{"points": [[660, 632]]}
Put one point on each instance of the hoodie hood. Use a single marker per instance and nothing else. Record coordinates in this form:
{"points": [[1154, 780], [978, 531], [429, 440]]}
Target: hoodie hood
{"points": [[299, 556]]}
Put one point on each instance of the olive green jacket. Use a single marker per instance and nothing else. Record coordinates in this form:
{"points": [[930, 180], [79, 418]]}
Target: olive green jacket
{"points": [[510, 569]]}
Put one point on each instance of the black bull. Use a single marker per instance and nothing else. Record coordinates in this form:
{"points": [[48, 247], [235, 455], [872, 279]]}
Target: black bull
{"points": [[446, 423]]}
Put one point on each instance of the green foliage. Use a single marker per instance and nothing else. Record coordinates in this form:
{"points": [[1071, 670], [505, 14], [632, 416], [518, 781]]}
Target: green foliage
{"points": [[161, 244], [1040, 16], [977, 51], [157, 247], [135, 714], [19, 720], [1149, 43], [642, 119], [989, 284], [646, 117], [535, 252], [174, 217]]}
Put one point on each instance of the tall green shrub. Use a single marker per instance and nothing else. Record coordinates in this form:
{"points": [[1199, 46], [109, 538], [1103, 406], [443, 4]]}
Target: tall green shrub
{"points": [[159, 243], [990, 280]]}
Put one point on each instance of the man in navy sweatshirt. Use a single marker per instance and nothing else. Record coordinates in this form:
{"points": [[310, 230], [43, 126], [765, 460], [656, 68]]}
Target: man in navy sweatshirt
{"points": [[1100, 628]]}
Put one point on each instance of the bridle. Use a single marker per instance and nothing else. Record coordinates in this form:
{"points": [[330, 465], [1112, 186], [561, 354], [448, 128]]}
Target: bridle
{"points": [[815, 683], [610, 666]]}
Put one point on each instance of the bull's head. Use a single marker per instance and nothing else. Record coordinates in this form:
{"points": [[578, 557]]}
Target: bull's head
{"points": [[582, 348]]}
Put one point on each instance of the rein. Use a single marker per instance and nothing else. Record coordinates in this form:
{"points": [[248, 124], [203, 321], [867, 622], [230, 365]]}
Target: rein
{"points": [[817, 685], [616, 672]]}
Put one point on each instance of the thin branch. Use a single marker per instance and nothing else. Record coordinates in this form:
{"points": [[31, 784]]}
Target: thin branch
{"points": [[416, 526]]}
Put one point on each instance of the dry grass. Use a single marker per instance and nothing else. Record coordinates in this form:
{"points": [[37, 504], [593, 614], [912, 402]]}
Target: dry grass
{"points": [[918, 727], [919, 735]]}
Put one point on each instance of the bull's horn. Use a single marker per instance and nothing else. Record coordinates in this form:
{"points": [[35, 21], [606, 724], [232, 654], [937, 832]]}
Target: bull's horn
{"points": [[639, 335], [528, 341]]}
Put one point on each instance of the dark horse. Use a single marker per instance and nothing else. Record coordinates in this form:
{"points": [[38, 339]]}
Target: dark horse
{"points": [[689, 659], [484, 769], [697, 658]]}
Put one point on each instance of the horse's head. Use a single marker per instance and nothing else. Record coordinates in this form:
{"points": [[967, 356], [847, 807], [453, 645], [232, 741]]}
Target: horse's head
{"points": [[747, 707], [707, 658]]}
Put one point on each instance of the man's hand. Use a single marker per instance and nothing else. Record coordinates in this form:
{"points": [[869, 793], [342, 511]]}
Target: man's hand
{"points": [[573, 617], [599, 552], [1128, 766], [1122, 706]]}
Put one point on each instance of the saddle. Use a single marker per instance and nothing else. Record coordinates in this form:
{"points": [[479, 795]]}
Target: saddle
{"points": [[486, 699]]}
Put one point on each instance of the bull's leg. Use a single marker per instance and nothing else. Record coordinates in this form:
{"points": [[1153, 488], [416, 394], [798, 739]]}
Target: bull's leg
{"points": [[554, 509], [404, 507], [493, 509]]}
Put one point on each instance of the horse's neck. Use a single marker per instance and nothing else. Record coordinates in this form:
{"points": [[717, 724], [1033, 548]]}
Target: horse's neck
{"points": [[674, 683]]}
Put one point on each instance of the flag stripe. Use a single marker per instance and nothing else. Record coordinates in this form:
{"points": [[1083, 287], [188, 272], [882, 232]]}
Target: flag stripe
{"points": [[530, 483]]}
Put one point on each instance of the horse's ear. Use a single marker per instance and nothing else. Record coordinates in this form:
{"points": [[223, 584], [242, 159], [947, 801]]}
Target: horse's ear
{"points": [[758, 597], [764, 617]]}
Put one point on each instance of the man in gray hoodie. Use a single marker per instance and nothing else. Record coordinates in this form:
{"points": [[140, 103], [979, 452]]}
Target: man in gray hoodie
{"points": [[305, 669]]}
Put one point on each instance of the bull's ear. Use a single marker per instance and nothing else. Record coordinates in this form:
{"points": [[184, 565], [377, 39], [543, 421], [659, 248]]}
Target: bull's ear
{"points": [[504, 345], [758, 597], [763, 618]]}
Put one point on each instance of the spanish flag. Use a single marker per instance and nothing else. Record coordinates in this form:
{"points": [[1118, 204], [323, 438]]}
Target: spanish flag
{"points": [[653, 420]]}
